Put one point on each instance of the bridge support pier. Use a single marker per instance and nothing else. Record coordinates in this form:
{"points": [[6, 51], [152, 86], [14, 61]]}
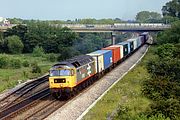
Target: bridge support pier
{"points": [[113, 38]]}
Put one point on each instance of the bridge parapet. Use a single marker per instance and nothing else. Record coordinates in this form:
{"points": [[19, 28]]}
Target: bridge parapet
{"points": [[109, 27]]}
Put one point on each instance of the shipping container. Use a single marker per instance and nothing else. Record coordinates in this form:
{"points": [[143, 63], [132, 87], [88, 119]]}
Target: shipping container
{"points": [[142, 39], [126, 48], [99, 61], [103, 59], [121, 49], [134, 40], [145, 36], [115, 53], [139, 41]]}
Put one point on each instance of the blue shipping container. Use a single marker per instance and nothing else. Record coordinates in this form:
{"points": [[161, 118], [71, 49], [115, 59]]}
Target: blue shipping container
{"points": [[107, 55]]}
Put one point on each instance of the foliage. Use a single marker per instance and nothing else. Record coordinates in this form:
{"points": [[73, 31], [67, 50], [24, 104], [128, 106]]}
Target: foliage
{"points": [[38, 33], [169, 108], [3, 43], [167, 51], [165, 80], [35, 68], [38, 51], [152, 117], [10, 77], [170, 36], [169, 19], [25, 63], [67, 52], [19, 30], [87, 43], [15, 63], [51, 57], [4, 61], [15, 20], [164, 85], [146, 16], [49, 37], [172, 8], [123, 114], [15, 45]]}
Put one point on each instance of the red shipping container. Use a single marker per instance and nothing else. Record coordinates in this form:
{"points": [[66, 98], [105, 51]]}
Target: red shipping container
{"points": [[115, 53]]}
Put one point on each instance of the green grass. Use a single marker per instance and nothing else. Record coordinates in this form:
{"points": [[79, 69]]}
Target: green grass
{"points": [[126, 93], [11, 77]]}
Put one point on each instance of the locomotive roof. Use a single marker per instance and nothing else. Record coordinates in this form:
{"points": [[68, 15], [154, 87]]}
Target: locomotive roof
{"points": [[76, 61]]}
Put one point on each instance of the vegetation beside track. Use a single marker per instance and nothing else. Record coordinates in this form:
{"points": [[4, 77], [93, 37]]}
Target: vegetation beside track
{"points": [[125, 99], [9, 77]]}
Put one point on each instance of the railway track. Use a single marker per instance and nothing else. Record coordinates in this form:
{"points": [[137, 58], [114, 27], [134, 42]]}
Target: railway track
{"points": [[23, 105], [38, 106], [22, 93]]}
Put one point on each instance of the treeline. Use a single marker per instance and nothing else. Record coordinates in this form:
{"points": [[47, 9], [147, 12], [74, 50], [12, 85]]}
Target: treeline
{"points": [[76, 21], [141, 17], [163, 87], [62, 41]]}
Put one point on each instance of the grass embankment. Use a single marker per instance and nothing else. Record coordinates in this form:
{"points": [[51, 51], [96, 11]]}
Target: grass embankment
{"points": [[125, 97], [10, 77]]}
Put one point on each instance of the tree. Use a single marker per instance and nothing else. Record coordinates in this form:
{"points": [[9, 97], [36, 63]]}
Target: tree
{"points": [[172, 8], [171, 35], [15, 20], [169, 19], [19, 30], [15, 45], [146, 16], [168, 51], [38, 51], [2, 43]]}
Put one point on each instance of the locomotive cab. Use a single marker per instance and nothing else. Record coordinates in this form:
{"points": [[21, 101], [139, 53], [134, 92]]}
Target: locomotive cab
{"points": [[61, 76]]}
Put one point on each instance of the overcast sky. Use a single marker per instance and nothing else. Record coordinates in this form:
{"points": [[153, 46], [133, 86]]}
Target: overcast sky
{"points": [[71, 9]]}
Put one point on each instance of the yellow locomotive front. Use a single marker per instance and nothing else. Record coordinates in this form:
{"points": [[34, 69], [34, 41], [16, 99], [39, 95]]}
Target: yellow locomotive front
{"points": [[68, 76], [61, 79]]}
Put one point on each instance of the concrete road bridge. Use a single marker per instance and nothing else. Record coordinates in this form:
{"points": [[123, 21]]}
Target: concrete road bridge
{"points": [[144, 27], [111, 28]]}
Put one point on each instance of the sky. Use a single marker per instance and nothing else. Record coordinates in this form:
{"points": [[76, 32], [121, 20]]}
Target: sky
{"points": [[72, 9]]}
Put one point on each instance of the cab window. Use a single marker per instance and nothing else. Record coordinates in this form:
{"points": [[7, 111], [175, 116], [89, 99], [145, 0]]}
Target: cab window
{"points": [[63, 72]]}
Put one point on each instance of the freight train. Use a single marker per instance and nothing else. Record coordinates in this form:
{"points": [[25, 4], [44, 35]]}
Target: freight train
{"points": [[68, 77]]}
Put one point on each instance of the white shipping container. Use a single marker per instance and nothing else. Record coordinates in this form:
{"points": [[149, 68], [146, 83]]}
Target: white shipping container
{"points": [[99, 61]]}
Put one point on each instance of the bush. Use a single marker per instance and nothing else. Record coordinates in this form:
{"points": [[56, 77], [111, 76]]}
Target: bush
{"points": [[51, 57], [25, 63], [4, 62], [169, 108], [15, 63], [15, 45], [152, 117], [36, 68], [166, 51], [38, 51]]}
